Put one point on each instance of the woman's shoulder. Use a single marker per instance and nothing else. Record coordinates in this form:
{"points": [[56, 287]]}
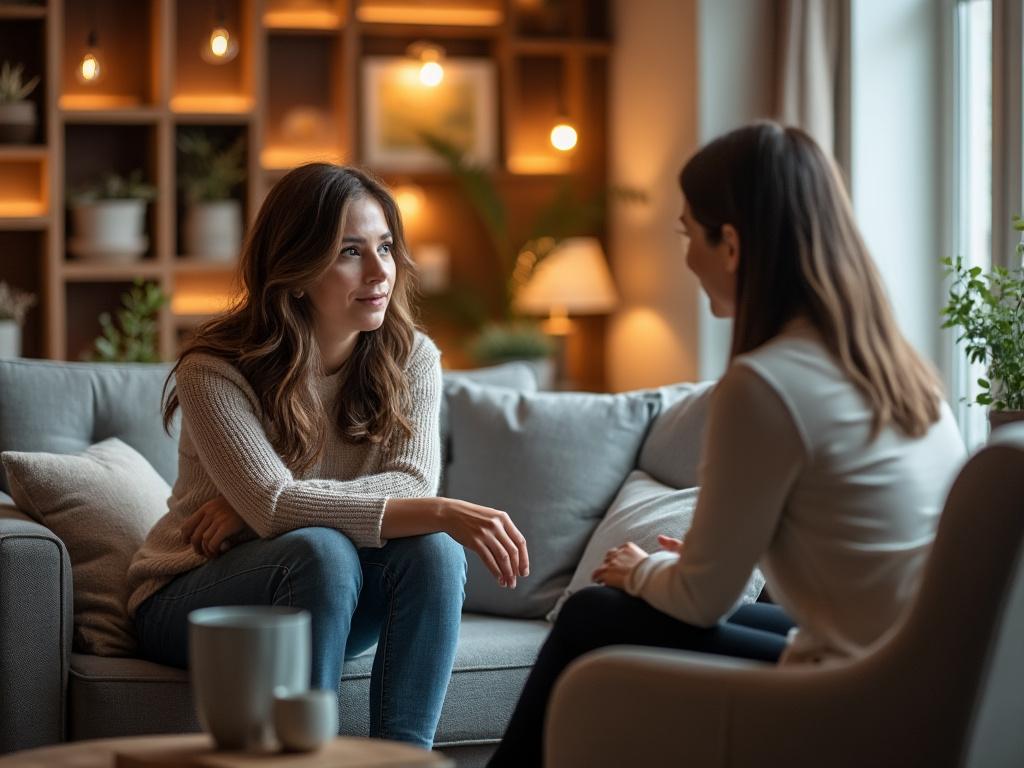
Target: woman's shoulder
{"points": [[424, 353], [207, 372]]}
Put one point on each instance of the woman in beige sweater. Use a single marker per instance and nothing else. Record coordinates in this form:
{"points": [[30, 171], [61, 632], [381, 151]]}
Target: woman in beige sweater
{"points": [[309, 459]]}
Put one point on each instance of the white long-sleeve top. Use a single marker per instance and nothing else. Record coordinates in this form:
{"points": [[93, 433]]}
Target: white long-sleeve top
{"points": [[790, 479]]}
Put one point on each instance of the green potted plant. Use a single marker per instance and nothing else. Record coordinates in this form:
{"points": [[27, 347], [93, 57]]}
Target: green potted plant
{"points": [[208, 175], [14, 305], [18, 119], [509, 335], [131, 337], [109, 218], [987, 309]]}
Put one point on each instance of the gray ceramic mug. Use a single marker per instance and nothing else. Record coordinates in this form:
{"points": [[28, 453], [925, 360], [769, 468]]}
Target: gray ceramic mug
{"points": [[239, 656]]}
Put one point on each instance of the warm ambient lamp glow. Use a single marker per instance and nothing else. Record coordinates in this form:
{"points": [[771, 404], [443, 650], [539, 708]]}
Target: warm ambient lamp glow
{"points": [[573, 279], [563, 136], [89, 69], [221, 46], [429, 55]]}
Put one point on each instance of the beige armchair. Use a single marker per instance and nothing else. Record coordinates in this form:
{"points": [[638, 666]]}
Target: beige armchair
{"points": [[945, 688]]}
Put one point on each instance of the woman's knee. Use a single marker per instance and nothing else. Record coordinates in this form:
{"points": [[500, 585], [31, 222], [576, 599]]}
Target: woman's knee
{"points": [[435, 560], [590, 604], [323, 558]]}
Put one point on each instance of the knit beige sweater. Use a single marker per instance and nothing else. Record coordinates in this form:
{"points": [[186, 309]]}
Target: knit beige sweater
{"points": [[224, 450]]}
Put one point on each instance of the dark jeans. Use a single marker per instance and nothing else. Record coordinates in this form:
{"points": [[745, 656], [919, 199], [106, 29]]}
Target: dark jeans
{"points": [[597, 617], [406, 597]]}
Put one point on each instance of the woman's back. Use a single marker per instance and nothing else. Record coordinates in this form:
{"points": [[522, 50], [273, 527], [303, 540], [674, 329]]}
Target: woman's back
{"points": [[860, 514]]}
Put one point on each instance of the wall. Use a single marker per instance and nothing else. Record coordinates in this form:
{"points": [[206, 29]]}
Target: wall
{"points": [[683, 72], [653, 338]]}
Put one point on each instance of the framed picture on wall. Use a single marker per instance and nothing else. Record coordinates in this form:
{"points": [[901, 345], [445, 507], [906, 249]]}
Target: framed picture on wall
{"points": [[398, 108]]}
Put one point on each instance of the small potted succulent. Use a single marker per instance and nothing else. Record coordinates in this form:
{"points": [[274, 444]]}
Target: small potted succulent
{"points": [[987, 309], [18, 119], [14, 305], [209, 174], [109, 218]]}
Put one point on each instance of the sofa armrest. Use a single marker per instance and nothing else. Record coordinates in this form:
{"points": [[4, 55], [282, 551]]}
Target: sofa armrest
{"points": [[35, 631]]}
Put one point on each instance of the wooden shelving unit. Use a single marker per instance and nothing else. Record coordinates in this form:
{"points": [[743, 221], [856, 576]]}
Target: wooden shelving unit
{"points": [[295, 92]]}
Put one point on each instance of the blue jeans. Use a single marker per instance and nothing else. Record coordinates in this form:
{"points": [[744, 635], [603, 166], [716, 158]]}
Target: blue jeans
{"points": [[406, 596]]}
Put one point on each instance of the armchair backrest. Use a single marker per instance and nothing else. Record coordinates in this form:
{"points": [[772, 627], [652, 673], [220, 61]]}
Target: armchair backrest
{"points": [[959, 651], [66, 407]]}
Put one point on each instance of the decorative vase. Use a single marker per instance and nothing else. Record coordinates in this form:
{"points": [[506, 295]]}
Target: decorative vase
{"points": [[998, 419], [18, 122], [213, 230], [109, 230], [10, 339]]}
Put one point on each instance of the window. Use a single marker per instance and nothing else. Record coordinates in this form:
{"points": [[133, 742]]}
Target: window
{"points": [[973, 183]]}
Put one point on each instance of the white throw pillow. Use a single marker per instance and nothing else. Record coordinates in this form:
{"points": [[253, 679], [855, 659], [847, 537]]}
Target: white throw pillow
{"points": [[101, 503], [643, 509]]}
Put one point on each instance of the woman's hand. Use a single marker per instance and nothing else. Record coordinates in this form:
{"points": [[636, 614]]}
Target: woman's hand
{"points": [[619, 563], [491, 534], [210, 527]]}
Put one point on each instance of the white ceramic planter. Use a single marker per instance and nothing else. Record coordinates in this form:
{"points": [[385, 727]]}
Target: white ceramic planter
{"points": [[18, 122], [213, 230], [10, 339], [109, 230]]}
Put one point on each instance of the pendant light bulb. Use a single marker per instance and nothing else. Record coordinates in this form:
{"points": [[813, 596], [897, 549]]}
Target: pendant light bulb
{"points": [[429, 56], [220, 46], [90, 67], [563, 136]]}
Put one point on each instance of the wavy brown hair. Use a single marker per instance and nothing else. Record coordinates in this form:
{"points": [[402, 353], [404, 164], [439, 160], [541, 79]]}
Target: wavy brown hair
{"points": [[269, 333], [802, 254]]}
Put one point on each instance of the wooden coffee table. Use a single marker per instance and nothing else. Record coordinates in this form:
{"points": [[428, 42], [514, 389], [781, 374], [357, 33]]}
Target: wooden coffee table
{"points": [[196, 751]]}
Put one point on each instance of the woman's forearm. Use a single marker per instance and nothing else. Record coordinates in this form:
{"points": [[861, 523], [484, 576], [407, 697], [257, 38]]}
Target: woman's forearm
{"points": [[412, 517]]}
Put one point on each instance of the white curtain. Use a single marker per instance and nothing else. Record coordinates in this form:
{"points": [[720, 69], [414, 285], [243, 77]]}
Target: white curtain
{"points": [[810, 70]]}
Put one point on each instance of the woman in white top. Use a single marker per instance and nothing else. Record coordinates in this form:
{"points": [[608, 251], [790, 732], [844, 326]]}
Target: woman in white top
{"points": [[829, 448]]}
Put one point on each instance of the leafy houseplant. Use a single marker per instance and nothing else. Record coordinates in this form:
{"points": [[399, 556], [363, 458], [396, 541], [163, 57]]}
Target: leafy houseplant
{"points": [[14, 305], [518, 256], [18, 118], [988, 312], [208, 174], [133, 337], [109, 218]]}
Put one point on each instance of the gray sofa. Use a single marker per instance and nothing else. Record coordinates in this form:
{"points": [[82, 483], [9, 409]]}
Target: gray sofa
{"points": [[51, 693]]}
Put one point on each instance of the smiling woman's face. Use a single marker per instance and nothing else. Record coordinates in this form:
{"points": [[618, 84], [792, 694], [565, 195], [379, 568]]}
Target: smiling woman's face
{"points": [[353, 294], [713, 264]]}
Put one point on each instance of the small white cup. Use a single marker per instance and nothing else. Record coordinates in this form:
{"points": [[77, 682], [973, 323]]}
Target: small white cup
{"points": [[305, 721]]}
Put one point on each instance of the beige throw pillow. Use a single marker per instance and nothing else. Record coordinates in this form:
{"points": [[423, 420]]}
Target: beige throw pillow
{"points": [[101, 503]]}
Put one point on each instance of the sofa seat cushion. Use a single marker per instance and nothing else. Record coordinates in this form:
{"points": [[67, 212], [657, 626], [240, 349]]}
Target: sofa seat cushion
{"points": [[125, 697]]}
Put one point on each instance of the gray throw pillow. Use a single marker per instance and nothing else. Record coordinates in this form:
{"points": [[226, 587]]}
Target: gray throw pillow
{"points": [[521, 376], [101, 503], [553, 462], [643, 509], [671, 452]]}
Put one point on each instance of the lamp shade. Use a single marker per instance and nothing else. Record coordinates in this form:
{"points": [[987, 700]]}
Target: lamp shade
{"points": [[573, 279]]}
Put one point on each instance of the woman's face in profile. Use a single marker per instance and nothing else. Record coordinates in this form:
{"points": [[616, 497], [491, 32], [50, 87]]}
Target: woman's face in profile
{"points": [[354, 293], [713, 264]]}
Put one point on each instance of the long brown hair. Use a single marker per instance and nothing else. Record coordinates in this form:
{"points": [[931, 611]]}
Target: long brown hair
{"points": [[269, 334], [802, 254]]}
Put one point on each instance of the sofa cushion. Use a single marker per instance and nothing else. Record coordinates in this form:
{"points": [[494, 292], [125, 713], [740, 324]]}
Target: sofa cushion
{"points": [[101, 503], [520, 376], [124, 697], [553, 461], [671, 452], [643, 509], [66, 407]]}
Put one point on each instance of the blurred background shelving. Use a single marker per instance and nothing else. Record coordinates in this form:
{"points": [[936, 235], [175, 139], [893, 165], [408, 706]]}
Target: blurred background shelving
{"points": [[294, 92]]}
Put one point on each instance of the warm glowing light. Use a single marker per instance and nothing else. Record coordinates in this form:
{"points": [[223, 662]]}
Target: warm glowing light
{"points": [[410, 199], [431, 74], [563, 137], [90, 67], [221, 47]]}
